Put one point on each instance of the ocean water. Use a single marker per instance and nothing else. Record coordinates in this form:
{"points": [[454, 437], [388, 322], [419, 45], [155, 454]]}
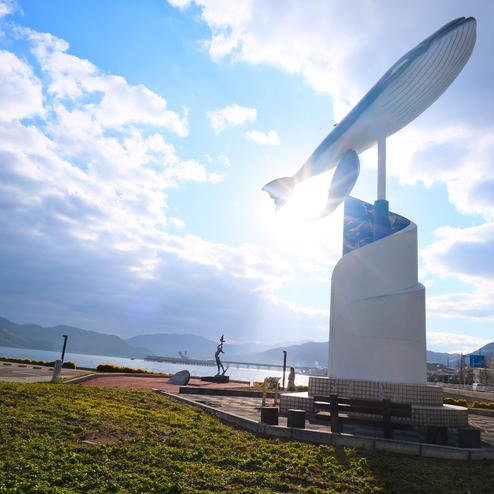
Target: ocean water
{"points": [[92, 361]]}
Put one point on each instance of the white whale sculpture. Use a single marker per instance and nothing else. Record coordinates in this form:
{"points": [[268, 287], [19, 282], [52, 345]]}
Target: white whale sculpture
{"points": [[408, 88]]}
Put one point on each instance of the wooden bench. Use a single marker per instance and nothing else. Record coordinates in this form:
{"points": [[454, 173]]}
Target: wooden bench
{"points": [[342, 410]]}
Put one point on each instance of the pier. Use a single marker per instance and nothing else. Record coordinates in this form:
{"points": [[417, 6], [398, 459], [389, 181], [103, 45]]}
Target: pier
{"points": [[231, 363]]}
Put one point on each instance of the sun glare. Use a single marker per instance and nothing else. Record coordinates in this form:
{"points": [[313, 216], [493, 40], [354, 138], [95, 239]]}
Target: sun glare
{"points": [[293, 225], [306, 203]]}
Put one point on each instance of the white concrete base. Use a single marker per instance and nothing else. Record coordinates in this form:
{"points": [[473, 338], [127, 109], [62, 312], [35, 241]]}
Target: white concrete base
{"points": [[377, 320], [57, 370]]}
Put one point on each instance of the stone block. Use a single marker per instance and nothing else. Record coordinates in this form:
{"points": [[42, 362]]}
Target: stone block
{"points": [[269, 415], [296, 418], [437, 435], [482, 454], [353, 441], [180, 378], [216, 379], [469, 438], [312, 436], [278, 431], [401, 447], [446, 452]]}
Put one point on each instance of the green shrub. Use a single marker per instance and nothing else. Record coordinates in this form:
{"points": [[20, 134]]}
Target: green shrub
{"points": [[67, 365], [126, 370], [464, 403]]}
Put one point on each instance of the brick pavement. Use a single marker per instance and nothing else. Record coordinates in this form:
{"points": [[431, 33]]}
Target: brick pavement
{"points": [[151, 382], [250, 408]]}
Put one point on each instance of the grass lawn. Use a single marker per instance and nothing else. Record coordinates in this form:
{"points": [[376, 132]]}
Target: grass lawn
{"points": [[65, 439]]}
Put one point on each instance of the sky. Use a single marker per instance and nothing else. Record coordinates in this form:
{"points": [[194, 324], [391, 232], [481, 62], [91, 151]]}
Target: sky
{"points": [[135, 138]]}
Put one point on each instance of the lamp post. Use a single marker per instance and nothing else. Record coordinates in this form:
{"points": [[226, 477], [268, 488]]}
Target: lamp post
{"points": [[64, 346]]}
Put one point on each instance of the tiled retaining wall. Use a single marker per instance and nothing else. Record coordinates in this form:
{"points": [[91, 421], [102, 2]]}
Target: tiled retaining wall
{"points": [[298, 401], [415, 394]]}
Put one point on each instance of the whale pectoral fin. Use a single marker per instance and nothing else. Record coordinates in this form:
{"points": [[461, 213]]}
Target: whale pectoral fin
{"points": [[343, 180], [280, 190]]}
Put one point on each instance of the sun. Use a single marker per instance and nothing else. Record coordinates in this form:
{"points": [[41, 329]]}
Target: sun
{"points": [[294, 225], [306, 203]]}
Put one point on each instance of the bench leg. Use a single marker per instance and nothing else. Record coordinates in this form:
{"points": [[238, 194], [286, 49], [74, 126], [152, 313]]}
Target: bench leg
{"points": [[437, 435], [296, 418], [333, 409], [388, 426], [469, 438], [269, 415]]}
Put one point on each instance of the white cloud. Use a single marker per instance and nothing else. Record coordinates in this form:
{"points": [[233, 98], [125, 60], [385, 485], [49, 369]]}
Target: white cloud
{"points": [[83, 212], [180, 3], [117, 102], [271, 138], [20, 90], [230, 115], [476, 305], [453, 342], [7, 7], [459, 156], [463, 254], [225, 160], [177, 222]]}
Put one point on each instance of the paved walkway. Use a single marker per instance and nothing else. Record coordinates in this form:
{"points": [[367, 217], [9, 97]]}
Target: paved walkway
{"points": [[13, 372]]}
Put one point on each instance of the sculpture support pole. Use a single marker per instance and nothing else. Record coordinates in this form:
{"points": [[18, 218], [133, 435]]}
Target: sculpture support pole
{"points": [[381, 169], [381, 211]]}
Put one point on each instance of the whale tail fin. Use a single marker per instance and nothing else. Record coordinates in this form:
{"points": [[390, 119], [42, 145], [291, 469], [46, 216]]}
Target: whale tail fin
{"points": [[344, 179], [280, 190]]}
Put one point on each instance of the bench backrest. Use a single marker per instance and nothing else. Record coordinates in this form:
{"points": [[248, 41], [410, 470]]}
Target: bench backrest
{"points": [[357, 405]]}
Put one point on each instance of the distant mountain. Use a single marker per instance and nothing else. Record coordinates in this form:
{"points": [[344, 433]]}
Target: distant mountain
{"points": [[310, 354], [307, 354], [169, 344], [197, 347], [454, 358], [485, 350], [79, 340], [450, 359]]}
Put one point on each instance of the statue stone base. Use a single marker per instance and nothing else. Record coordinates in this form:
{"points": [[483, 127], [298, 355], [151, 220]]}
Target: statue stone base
{"points": [[216, 379]]}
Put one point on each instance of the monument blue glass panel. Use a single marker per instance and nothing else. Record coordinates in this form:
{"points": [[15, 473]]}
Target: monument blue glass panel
{"points": [[477, 361], [359, 224]]}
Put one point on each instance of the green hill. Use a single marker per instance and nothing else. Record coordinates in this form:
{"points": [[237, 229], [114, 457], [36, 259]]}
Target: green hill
{"points": [[37, 337]]}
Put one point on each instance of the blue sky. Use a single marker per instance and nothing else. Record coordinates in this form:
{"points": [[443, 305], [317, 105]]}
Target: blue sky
{"points": [[135, 139]]}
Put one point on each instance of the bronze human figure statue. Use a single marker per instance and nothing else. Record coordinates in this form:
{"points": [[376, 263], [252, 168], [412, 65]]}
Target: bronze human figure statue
{"points": [[217, 357]]}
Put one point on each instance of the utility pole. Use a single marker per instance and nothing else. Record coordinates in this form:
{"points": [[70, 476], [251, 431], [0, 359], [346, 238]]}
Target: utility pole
{"points": [[284, 368]]}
